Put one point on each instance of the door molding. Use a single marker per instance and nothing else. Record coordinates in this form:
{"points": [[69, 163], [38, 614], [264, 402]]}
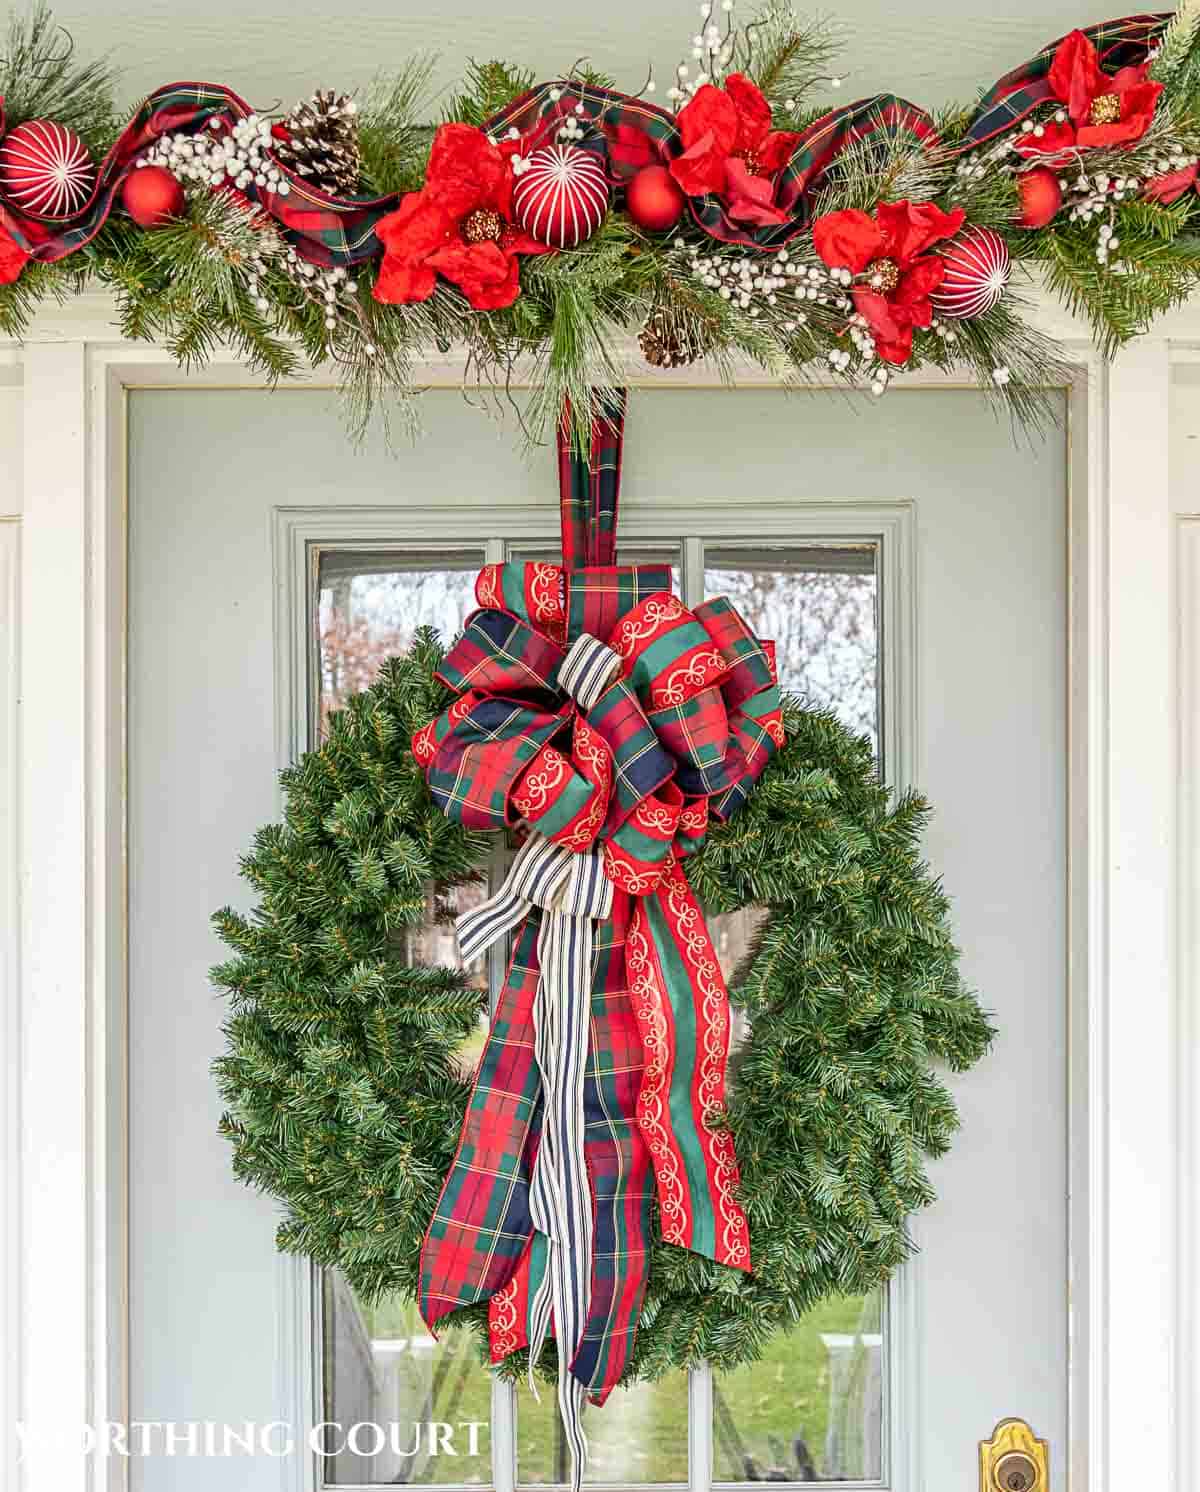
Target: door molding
{"points": [[67, 1254]]}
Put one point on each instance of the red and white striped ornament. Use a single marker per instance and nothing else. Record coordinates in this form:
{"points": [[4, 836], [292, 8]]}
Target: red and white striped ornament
{"points": [[45, 169], [977, 270], [561, 195]]}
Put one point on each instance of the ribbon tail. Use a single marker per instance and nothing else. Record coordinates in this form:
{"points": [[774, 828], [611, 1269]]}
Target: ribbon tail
{"points": [[682, 1007], [561, 1201]]}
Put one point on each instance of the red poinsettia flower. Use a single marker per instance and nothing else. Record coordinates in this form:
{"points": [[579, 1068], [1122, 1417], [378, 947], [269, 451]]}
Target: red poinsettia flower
{"points": [[898, 276], [13, 257], [1171, 185], [459, 225], [730, 150], [1103, 108]]}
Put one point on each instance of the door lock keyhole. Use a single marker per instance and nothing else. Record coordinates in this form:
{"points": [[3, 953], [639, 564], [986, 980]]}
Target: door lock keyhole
{"points": [[1016, 1472]]}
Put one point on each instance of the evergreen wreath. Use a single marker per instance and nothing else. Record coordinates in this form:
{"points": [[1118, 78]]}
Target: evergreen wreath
{"points": [[343, 1098]]}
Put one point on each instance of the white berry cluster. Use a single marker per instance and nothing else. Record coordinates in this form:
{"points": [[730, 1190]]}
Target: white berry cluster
{"points": [[754, 281], [711, 49], [980, 162], [240, 157], [869, 361]]}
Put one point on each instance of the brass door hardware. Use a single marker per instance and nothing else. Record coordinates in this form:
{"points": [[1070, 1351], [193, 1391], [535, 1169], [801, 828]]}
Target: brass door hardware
{"points": [[1014, 1460]]}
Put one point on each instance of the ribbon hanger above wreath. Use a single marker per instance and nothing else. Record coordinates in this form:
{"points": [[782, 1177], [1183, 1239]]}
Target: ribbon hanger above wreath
{"points": [[608, 721]]}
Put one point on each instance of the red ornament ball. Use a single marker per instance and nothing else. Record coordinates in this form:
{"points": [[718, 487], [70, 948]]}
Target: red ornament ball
{"points": [[152, 196], [654, 199], [1041, 196], [977, 270], [561, 195], [45, 169]]}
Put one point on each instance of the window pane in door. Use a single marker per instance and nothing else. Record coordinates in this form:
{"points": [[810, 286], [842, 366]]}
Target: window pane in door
{"points": [[398, 1406], [811, 1409], [819, 605], [370, 603], [423, 1407], [639, 1436]]}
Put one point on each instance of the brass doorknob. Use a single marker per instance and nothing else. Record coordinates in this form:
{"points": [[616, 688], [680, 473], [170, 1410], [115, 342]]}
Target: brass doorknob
{"points": [[1014, 1460]]}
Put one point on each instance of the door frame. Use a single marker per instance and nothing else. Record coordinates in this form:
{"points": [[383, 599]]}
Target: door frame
{"points": [[1133, 1267]]}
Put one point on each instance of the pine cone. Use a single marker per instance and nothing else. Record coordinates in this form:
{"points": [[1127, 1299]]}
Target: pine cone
{"points": [[320, 142], [667, 343]]}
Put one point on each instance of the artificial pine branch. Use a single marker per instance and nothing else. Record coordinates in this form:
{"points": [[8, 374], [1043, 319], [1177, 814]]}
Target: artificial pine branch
{"points": [[393, 133], [788, 58], [1178, 43], [40, 79], [487, 88]]}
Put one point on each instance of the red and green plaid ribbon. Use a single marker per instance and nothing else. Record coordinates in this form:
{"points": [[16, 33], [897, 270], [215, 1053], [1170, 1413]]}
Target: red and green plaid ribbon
{"points": [[618, 755]]}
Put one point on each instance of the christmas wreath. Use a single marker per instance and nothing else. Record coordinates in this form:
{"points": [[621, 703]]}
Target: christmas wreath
{"points": [[595, 1175], [540, 225]]}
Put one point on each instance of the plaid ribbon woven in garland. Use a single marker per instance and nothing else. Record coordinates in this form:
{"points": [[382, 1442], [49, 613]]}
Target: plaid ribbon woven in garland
{"points": [[638, 134], [1120, 43], [327, 230], [613, 723]]}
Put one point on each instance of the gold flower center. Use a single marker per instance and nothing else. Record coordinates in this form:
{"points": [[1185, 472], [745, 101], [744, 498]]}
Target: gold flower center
{"points": [[883, 275], [1106, 109], [483, 226], [750, 159]]}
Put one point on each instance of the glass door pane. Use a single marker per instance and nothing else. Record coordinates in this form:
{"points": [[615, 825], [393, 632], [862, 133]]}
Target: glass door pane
{"points": [[811, 1409], [422, 1407]]}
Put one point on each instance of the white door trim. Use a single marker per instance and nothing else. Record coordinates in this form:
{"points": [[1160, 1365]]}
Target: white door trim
{"points": [[70, 1261]]}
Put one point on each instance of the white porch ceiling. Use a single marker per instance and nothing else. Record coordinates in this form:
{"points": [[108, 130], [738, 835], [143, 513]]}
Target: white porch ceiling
{"points": [[930, 54]]}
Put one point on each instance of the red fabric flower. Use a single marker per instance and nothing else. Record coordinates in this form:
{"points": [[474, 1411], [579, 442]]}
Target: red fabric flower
{"points": [[459, 225], [730, 150], [13, 257], [890, 251], [1103, 108], [1171, 185]]}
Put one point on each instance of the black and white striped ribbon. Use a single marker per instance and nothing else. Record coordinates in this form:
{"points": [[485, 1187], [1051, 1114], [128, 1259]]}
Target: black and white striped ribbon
{"points": [[573, 892]]}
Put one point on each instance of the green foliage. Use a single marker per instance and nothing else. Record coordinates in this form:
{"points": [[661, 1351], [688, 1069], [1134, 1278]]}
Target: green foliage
{"points": [[1176, 64], [393, 138], [40, 79], [343, 1101], [788, 57], [1160, 253], [488, 87], [20, 299]]}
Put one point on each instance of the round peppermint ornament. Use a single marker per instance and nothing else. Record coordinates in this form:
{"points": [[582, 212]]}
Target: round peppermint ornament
{"points": [[977, 270], [45, 169], [561, 195]]}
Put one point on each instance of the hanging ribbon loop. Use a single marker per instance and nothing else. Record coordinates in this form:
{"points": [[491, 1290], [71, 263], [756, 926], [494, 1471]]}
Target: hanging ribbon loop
{"points": [[612, 724]]}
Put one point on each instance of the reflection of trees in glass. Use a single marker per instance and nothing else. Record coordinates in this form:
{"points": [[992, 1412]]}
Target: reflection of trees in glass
{"points": [[365, 619], [824, 630]]}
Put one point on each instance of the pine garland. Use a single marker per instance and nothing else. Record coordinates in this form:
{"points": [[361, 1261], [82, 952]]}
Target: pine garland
{"points": [[345, 1104], [579, 314]]}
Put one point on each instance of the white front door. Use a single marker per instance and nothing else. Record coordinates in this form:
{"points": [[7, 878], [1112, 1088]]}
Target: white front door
{"points": [[912, 559]]}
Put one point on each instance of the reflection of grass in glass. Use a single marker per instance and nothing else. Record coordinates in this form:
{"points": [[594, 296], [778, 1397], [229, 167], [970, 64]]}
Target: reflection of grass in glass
{"points": [[640, 1435], [785, 1395], [446, 1383]]}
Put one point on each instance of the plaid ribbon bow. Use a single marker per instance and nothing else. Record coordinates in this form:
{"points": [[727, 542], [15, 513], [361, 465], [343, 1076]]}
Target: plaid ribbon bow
{"points": [[611, 720]]}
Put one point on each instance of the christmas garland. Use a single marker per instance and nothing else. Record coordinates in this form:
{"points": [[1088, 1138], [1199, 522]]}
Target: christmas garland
{"points": [[540, 225], [344, 1101]]}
